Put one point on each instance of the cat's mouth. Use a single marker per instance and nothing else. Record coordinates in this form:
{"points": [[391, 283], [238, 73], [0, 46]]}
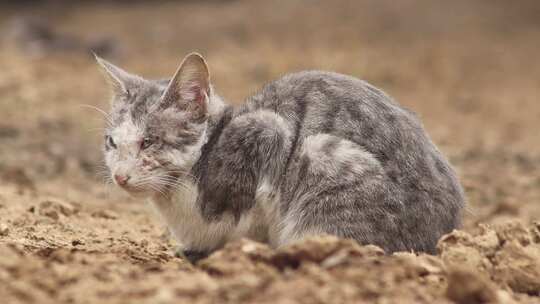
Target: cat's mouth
{"points": [[137, 190], [146, 190], [147, 186]]}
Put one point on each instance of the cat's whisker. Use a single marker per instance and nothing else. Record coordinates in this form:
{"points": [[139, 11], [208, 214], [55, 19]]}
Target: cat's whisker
{"points": [[174, 185], [168, 181], [102, 171], [183, 172], [170, 184], [144, 183], [158, 190]]}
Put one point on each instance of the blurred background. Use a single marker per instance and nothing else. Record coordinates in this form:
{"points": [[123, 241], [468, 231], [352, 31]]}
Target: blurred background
{"points": [[470, 69]]}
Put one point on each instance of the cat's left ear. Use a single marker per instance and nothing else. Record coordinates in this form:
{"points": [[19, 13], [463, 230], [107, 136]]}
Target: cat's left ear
{"points": [[120, 80], [189, 89]]}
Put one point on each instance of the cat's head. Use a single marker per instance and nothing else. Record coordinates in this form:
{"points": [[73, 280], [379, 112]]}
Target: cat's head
{"points": [[156, 129]]}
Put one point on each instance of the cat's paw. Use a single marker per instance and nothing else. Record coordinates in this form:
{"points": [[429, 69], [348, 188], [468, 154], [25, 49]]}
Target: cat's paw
{"points": [[191, 255]]}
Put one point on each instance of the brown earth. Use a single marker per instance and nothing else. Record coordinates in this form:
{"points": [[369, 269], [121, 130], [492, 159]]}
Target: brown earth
{"points": [[470, 69]]}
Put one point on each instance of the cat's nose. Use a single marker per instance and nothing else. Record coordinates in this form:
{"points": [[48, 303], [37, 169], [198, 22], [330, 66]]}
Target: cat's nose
{"points": [[121, 180]]}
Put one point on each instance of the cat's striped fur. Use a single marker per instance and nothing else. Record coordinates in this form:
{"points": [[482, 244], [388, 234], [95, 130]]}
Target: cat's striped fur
{"points": [[311, 153]]}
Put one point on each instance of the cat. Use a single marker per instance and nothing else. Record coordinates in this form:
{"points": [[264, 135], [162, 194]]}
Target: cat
{"points": [[311, 153]]}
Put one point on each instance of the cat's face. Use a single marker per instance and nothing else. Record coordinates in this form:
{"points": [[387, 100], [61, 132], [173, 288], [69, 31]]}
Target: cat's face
{"points": [[156, 130]]}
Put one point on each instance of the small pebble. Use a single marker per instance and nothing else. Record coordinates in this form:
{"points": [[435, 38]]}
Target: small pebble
{"points": [[77, 242]]}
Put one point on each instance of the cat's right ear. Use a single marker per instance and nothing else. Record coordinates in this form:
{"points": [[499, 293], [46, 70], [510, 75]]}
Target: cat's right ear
{"points": [[120, 80], [190, 86]]}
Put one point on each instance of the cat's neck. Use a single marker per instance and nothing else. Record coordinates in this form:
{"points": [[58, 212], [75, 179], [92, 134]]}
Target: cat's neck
{"points": [[218, 118]]}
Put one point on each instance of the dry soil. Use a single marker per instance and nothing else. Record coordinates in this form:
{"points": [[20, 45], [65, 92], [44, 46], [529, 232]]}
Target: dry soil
{"points": [[470, 69]]}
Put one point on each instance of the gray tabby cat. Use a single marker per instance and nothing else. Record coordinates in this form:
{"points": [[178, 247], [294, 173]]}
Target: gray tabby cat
{"points": [[311, 153]]}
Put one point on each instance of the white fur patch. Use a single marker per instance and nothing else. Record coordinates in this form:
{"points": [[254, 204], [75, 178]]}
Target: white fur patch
{"points": [[126, 137], [126, 134], [193, 232], [186, 223], [344, 152]]}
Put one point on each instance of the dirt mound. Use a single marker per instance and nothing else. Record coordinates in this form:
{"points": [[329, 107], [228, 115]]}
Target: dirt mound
{"points": [[327, 269]]}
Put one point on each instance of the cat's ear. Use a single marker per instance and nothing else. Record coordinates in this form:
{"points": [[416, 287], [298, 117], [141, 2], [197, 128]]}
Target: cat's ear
{"points": [[120, 80], [190, 86]]}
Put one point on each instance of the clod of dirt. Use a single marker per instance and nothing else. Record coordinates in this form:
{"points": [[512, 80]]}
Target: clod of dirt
{"points": [[55, 208], [517, 263], [77, 242], [422, 264], [519, 267], [240, 256], [469, 287], [105, 214], [459, 249], [327, 251], [508, 253], [514, 231]]}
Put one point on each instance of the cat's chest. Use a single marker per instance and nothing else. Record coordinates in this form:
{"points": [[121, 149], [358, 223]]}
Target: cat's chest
{"points": [[185, 222], [192, 230]]}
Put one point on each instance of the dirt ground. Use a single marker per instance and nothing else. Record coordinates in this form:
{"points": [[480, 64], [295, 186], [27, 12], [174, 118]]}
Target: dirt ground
{"points": [[470, 69]]}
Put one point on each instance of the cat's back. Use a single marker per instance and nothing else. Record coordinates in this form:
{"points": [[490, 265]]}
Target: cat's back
{"points": [[318, 102], [326, 102], [310, 93]]}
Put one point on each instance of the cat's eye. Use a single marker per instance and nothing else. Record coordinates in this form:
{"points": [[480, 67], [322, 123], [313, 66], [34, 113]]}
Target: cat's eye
{"points": [[110, 141], [146, 142]]}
